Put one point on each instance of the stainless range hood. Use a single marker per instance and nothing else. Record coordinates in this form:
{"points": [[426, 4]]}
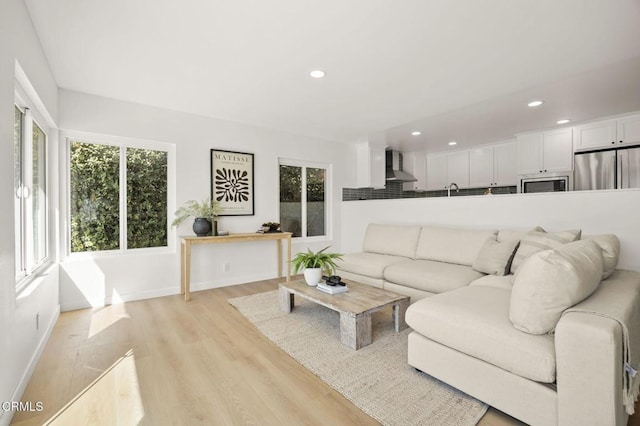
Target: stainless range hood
{"points": [[393, 170]]}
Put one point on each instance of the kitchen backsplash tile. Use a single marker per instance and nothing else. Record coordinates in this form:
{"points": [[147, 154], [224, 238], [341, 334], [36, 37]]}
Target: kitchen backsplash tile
{"points": [[394, 190]]}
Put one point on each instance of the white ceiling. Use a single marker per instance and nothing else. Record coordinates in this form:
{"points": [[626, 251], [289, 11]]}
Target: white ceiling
{"points": [[454, 69]]}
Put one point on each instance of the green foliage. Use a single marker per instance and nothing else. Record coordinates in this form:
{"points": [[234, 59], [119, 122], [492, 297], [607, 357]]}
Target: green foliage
{"points": [[325, 261], [206, 209], [146, 198], [95, 197]]}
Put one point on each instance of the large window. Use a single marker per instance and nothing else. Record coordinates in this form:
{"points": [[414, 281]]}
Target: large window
{"points": [[30, 191], [118, 196], [303, 206]]}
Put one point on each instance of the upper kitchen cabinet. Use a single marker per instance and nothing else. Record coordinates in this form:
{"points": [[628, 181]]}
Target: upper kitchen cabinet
{"points": [[437, 171], [545, 152], [493, 165], [370, 166], [444, 169], [629, 130], [415, 163], [608, 133], [595, 135]]}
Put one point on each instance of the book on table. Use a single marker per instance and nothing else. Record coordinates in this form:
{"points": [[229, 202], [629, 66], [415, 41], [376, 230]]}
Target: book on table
{"points": [[330, 289]]}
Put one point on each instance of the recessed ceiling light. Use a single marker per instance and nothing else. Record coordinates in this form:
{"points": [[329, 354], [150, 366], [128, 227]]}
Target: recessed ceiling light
{"points": [[416, 133], [563, 121], [535, 103], [317, 74], [452, 143]]}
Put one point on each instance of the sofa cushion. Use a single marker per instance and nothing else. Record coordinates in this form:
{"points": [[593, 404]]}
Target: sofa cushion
{"points": [[505, 281], [510, 235], [475, 320], [551, 281], [394, 240], [427, 275], [495, 258], [451, 245], [369, 264], [538, 240], [610, 245]]}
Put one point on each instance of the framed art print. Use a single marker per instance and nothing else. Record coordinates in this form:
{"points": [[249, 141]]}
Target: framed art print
{"points": [[232, 182]]}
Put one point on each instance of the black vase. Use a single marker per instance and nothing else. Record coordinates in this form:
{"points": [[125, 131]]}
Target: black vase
{"points": [[202, 227]]}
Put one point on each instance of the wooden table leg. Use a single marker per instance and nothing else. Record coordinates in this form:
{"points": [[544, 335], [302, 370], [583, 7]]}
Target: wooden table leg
{"points": [[288, 258], [399, 310], [355, 330], [187, 271], [285, 299], [182, 265], [279, 245]]}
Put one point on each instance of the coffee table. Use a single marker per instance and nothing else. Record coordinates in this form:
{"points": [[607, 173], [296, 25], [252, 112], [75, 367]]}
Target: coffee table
{"points": [[355, 307]]}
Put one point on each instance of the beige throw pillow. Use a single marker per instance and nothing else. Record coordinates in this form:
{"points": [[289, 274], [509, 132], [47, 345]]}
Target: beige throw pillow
{"points": [[495, 258], [551, 281], [538, 240], [610, 245]]}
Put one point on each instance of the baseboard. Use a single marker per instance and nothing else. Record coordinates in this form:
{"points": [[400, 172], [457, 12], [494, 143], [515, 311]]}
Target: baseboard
{"points": [[128, 297], [168, 291], [6, 416]]}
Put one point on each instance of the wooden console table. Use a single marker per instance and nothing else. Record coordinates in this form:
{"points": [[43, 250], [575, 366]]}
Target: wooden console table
{"points": [[188, 241]]}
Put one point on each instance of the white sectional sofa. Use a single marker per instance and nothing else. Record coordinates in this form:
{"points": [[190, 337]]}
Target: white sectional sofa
{"points": [[556, 343]]}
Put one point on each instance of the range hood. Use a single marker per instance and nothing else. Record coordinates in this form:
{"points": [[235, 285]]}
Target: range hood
{"points": [[393, 170]]}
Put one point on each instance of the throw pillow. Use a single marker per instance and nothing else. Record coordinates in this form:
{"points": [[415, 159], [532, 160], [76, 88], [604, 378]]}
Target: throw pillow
{"points": [[610, 245], [538, 240], [551, 281], [495, 257]]}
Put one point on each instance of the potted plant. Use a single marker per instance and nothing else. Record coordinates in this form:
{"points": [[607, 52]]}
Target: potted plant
{"points": [[315, 264], [204, 212]]}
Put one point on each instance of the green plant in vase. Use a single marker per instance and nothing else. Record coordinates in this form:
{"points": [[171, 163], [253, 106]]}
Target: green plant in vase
{"points": [[204, 212], [315, 264]]}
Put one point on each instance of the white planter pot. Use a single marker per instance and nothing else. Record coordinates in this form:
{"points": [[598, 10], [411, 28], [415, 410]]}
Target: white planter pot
{"points": [[312, 276]]}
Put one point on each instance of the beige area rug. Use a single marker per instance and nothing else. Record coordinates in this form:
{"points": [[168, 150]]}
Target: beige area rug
{"points": [[375, 378]]}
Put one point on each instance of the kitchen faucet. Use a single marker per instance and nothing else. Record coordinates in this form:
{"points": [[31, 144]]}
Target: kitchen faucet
{"points": [[454, 186]]}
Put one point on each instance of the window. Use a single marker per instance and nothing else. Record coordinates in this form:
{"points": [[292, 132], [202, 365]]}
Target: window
{"points": [[303, 206], [118, 196], [30, 191]]}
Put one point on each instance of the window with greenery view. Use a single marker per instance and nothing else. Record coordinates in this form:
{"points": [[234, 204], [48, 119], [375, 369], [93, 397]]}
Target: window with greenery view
{"points": [[30, 191], [114, 207], [303, 209]]}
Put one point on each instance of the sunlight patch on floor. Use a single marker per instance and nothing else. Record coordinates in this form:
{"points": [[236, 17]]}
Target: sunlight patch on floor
{"points": [[108, 315], [112, 399]]}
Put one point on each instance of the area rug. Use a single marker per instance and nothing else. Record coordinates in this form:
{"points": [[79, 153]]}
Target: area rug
{"points": [[376, 378]]}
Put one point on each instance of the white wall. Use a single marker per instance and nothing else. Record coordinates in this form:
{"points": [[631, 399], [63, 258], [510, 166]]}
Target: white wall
{"points": [[595, 212], [147, 275], [20, 341]]}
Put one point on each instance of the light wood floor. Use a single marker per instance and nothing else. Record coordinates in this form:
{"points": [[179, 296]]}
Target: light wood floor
{"points": [[166, 361]]}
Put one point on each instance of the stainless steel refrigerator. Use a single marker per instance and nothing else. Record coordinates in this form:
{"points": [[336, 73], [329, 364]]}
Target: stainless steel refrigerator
{"points": [[607, 169]]}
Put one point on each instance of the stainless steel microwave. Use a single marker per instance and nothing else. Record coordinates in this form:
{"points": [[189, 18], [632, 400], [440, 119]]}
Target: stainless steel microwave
{"points": [[544, 184]]}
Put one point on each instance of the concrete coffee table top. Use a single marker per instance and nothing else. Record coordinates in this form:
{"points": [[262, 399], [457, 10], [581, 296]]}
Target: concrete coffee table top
{"points": [[355, 307]]}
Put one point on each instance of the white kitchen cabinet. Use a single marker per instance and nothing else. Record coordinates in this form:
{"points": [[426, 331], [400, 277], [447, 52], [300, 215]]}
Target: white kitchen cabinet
{"points": [[505, 172], [545, 152], [493, 165], [628, 130], [415, 163], [437, 171], [458, 168], [370, 166], [607, 133], [595, 135], [447, 168]]}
